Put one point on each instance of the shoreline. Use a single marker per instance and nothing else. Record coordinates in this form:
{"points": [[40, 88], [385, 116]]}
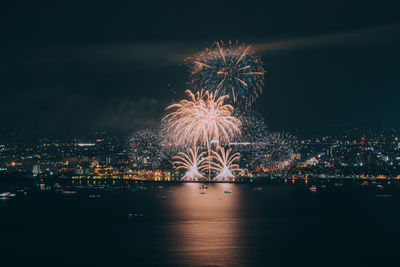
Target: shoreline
{"points": [[244, 180]]}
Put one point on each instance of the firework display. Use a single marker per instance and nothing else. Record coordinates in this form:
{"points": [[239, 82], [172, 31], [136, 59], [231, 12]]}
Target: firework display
{"points": [[210, 132], [251, 144], [253, 127], [223, 162], [276, 151], [233, 69], [192, 161], [200, 119]]}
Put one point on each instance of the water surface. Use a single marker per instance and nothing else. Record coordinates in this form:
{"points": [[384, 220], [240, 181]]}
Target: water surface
{"points": [[173, 224]]}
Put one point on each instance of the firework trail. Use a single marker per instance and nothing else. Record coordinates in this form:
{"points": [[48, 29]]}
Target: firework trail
{"points": [[192, 161], [233, 70], [223, 162], [200, 119]]}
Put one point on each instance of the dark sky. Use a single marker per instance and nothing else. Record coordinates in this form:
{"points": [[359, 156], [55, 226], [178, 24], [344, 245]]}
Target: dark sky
{"points": [[81, 66]]}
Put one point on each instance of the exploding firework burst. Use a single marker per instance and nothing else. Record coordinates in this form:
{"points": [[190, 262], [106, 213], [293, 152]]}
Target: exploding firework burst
{"points": [[233, 70], [253, 139], [202, 118], [276, 152], [192, 161], [253, 127], [223, 162]]}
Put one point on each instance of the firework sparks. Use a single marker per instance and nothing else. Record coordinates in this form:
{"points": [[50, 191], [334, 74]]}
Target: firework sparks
{"points": [[233, 70], [147, 148], [192, 162], [200, 119], [223, 162]]}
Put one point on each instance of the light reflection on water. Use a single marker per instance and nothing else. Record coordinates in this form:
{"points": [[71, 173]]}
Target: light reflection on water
{"points": [[205, 228]]}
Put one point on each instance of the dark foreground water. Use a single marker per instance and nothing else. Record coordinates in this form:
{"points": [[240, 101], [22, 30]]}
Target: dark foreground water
{"points": [[280, 224]]}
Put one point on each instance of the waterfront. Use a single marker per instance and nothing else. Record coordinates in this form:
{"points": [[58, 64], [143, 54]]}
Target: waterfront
{"points": [[123, 223]]}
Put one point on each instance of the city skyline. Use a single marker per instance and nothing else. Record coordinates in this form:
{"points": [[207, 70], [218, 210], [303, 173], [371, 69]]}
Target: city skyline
{"points": [[352, 155]]}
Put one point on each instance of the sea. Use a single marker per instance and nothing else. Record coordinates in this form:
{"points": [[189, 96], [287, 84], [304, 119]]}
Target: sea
{"points": [[276, 222]]}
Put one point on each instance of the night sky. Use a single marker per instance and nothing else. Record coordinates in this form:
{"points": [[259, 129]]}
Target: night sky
{"points": [[81, 66]]}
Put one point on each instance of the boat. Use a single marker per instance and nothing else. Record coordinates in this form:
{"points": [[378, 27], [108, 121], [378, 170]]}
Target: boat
{"points": [[258, 188], [7, 194], [135, 216], [313, 188], [384, 196], [69, 192], [227, 191], [380, 186], [140, 187]]}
